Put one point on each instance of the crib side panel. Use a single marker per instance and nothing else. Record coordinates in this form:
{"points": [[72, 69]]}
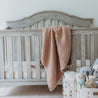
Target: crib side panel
{"points": [[10, 56], [84, 47], [79, 51], [28, 56], [19, 57], [37, 56]]}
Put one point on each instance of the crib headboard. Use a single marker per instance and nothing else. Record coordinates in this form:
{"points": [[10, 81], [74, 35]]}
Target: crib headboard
{"points": [[49, 18]]}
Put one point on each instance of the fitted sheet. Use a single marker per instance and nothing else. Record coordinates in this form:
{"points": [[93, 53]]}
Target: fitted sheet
{"points": [[24, 66], [24, 70]]}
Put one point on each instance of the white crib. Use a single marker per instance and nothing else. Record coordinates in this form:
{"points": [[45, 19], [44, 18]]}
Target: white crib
{"points": [[20, 47]]}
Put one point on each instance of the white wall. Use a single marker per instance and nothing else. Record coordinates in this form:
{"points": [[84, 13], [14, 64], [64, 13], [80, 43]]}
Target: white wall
{"points": [[17, 9]]}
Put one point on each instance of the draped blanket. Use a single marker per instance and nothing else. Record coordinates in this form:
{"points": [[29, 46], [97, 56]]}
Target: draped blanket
{"points": [[56, 49]]}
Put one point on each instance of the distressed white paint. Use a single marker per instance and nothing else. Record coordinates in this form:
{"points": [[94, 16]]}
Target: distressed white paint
{"points": [[19, 57], [10, 56], [37, 56], [92, 49], [28, 56], [83, 52]]}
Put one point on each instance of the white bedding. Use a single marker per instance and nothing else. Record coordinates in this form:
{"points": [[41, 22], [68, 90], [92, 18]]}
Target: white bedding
{"points": [[24, 71], [23, 65]]}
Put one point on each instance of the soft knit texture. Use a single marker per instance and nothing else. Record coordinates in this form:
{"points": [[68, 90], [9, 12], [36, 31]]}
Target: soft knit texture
{"points": [[56, 49]]}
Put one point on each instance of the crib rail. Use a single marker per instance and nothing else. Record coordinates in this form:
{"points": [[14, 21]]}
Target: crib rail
{"points": [[84, 46]]}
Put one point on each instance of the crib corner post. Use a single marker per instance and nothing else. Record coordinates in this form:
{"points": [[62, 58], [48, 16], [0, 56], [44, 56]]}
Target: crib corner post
{"points": [[1, 58]]}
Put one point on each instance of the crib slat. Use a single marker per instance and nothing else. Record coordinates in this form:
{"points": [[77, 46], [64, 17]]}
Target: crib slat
{"points": [[57, 22], [92, 48], [50, 22], [83, 49], [54, 22], [10, 56], [28, 56], [43, 24], [36, 25], [1, 58], [88, 46], [5, 49], [78, 45], [33, 40], [33, 47], [37, 56], [96, 46], [19, 57], [74, 57]]}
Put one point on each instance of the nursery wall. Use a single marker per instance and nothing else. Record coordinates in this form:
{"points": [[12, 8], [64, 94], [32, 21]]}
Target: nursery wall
{"points": [[17, 9]]}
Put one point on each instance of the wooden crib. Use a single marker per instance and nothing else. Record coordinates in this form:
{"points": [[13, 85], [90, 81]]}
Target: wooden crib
{"points": [[20, 46]]}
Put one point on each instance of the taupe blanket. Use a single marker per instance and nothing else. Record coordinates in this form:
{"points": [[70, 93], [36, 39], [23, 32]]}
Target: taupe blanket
{"points": [[56, 49]]}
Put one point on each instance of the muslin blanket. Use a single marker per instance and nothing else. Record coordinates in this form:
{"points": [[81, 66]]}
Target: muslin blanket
{"points": [[56, 48]]}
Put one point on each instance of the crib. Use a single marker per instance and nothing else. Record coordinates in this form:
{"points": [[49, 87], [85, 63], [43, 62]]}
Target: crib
{"points": [[20, 46]]}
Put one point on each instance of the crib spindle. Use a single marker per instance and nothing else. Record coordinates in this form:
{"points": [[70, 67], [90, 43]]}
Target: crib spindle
{"points": [[83, 49], [32, 48], [23, 47], [19, 57], [36, 25], [55, 22], [50, 22], [92, 48], [37, 56], [33, 42], [28, 56], [1, 58], [43, 23], [5, 50], [10, 56], [88, 46]]}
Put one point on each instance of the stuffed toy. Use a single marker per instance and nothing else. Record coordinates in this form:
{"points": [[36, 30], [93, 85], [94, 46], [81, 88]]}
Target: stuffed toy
{"points": [[95, 70], [91, 82], [79, 80], [81, 83], [86, 70]]}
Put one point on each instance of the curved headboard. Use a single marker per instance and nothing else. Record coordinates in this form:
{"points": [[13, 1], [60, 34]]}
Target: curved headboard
{"points": [[49, 18]]}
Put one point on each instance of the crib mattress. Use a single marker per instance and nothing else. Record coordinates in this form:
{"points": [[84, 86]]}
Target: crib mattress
{"points": [[24, 71]]}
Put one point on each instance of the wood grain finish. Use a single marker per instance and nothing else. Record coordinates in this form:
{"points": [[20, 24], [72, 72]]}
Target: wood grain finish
{"points": [[19, 57], [83, 52], [37, 56], [28, 56], [92, 48], [50, 15], [10, 56]]}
